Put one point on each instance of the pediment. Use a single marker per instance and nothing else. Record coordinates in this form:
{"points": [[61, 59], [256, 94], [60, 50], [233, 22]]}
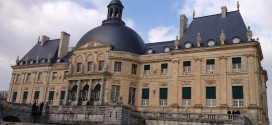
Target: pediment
{"points": [[90, 44]]}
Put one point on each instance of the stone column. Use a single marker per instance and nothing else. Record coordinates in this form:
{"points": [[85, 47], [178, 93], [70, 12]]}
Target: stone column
{"points": [[101, 98], [106, 90], [251, 81], [90, 90], [223, 91], [197, 84], [66, 94], [78, 90], [173, 88]]}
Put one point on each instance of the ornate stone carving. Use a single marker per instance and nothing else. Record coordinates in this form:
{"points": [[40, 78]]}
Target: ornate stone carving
{"points": [[222, 37], [133, 84], [163, 84], [198, 39], [177, 43], [17, 60], [249, 34], [116, 82], [145, 84], [186, 83], [210, 82], [237, 81]]}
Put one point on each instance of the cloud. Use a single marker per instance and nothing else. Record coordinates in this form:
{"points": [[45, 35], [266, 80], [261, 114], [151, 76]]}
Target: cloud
{"points": [[162, 33], [255, 14]]}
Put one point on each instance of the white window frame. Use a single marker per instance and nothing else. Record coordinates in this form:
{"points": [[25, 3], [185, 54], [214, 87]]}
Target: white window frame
{"points": [[163, 102], [186, 69], [164, 71], [79, 69], [210, 68], [145, 102], [236, 66], [211, 102], [186, 102], [147, 72], [117, 66], [115, 91], [238, 102]]}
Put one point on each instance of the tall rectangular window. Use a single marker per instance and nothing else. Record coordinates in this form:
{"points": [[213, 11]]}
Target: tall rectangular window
{"points": [[238, 96], [36, 96], [147, 69], [163, 96], [164, 68], [101, 65], [25, 97], [65, 74], [186, 96], [186, 66], [145, 96], [210, 65], [62, 97], [54, 76], [211, 96], [18, 78], [79, 67], [90, 66], [14, 97], [117, 66], [115, 93], [134, 69], [236, 63], [131, 97], [51, 97]]}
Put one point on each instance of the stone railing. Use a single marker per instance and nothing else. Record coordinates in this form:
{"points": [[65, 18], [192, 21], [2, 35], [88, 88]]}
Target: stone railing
{"points": [[15, 107], [198, 117]]}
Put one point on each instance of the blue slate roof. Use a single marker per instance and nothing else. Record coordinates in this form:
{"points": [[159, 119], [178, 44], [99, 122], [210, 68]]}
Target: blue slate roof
{"points": [[50, 47], [209, 28]]}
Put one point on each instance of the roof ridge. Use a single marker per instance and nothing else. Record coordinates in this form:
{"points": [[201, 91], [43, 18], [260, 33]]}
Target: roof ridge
{"points": [[214, 14], [160, 42]]}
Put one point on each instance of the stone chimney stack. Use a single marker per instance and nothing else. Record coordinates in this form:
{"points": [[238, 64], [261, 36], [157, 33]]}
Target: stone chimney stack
{"points": [[224, 11], [44, 39], [63, 45], [183, 25]]}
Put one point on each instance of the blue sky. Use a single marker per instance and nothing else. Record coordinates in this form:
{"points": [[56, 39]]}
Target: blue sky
{"points": [[22, 22]]}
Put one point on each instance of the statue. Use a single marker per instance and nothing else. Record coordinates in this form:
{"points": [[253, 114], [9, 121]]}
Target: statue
{"points": [[177, 43], [198, 39], [193, 13], [222, 37], [238, 5], [49, 57], [17, 60], [26, 60], [249, 34]]}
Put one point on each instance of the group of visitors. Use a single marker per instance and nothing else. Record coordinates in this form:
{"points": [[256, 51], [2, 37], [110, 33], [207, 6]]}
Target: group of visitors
{"points": [[232, 114], [38, 107]]}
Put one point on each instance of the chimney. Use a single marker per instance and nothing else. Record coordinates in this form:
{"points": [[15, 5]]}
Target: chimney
{"points": [[44, 39], [224, 11], [183, 25], [63, 45]]}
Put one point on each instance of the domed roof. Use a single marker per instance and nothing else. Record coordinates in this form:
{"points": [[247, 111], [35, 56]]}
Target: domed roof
{"points": [[121, 37], [113, 31]]}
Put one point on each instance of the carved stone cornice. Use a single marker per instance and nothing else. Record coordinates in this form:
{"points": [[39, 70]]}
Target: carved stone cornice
{"points": [[223, 57], [237, 81], [198, 59], [249, 55]]}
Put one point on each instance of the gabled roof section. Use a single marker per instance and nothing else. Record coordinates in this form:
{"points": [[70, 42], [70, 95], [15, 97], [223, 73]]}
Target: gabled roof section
{"points": [[210, 27], [50, 47]]}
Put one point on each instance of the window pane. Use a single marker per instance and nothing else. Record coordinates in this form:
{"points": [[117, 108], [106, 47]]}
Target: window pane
{"points": [[237, 92], [210, 92], [117, 66], [62, 95], [163, 93], [51, 95], [134, 69], [146, 67], [36, 94], [14, 96], [164, 66], [186, 92], [236, 60], [145, 93], [25, 95], [210, 62], [186, 63]]}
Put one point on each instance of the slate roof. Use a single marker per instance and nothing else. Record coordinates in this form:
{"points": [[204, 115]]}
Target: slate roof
{"points": [[50, 47], [209, 28]]}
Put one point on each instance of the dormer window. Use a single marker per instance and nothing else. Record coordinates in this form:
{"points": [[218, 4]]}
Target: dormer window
{"points": [[31, 62], [59, 60], [149, 51], [21, 63], [236, 40], [166, 49], [43, 61], [211, 43], [188, 45]]}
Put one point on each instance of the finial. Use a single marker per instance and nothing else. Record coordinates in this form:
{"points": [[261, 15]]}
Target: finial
{"points": [[39, 39], [49, 57], [238, 5], [26, 60], [198, 38], [222, 37], [17, 60], [193, 13], [177, 43], [38, 58], [249, 34]]}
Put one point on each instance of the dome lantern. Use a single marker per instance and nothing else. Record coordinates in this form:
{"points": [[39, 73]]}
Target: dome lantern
{"points": [[115, 10]]}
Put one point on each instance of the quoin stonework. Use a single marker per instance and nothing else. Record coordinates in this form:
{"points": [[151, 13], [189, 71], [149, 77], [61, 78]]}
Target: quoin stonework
{"points": [[112, 76]]}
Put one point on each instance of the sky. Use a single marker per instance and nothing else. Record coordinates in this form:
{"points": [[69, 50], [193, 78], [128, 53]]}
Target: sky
{"points": [[23, 21]]}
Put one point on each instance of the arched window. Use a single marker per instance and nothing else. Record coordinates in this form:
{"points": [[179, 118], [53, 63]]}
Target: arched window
{"points": [[97, 92], [40, 77], [74, 93], [85, 92]]}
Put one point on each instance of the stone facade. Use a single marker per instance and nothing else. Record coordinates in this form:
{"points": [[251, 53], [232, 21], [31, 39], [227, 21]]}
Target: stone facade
{"points": [[199, 80]]}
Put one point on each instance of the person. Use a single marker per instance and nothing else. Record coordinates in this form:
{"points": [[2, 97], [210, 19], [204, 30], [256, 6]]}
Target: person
{"points": [[88, 103], [229, 113], [47, 106], [41, 106], [237, 112]]}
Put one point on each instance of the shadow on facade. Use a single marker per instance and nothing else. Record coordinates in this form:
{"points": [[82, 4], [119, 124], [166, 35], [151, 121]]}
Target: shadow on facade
{"points": [[11, 119]]}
